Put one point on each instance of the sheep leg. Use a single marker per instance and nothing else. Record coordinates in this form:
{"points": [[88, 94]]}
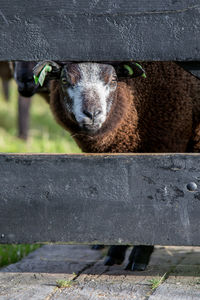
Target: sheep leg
{"points": [[139, 258], [23, 116], [116, 255], [5, 85]]}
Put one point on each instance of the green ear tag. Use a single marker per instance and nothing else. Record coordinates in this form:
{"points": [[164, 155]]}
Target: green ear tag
{"points": [[139, 66], [35, 79], [129, 69], [43, 74]]}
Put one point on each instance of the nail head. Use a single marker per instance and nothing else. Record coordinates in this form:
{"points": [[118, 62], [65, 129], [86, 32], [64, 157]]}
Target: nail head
{"points": [[191, 186]]}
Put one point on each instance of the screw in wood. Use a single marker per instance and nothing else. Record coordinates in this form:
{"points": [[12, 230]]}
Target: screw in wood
{"points": [[191, 186]]}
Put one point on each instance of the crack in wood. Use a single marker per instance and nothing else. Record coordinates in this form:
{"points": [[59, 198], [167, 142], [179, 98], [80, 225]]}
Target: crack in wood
{"points": [[52, 294], [57, 289], [91, 14], [76, 276], [4, 17]]}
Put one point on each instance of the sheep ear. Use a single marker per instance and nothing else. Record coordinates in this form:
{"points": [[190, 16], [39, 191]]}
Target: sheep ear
{"points": [[130, 69], [46, 70]]}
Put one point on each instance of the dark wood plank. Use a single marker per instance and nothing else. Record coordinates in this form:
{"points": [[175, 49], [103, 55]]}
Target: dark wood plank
{"points": [[110, 199], [100, 30], [192, 66]]}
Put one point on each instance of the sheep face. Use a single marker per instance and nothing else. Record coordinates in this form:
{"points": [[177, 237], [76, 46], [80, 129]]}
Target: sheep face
{"points": [[23, 74], [88, 90]]}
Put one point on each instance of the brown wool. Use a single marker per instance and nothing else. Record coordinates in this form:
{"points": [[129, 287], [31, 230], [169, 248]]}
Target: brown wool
{"points": [[158, 114]]}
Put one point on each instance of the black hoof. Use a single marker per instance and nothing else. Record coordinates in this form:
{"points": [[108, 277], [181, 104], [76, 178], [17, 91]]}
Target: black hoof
{"points": [[110, 261], [97, 247], [139, 258], [116, 255], [135, 267]]}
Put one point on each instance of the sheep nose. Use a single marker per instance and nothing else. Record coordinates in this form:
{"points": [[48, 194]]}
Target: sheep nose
{"points": [[24, 86], [92, 114], [26, 90], [21, 86]]}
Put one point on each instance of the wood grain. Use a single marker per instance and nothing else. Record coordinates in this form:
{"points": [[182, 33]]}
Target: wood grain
{"points": [[100, 30], [109, 199]]}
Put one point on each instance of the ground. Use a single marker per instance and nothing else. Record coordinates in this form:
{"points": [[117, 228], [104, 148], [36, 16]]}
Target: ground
{"points": [[173, 273]]}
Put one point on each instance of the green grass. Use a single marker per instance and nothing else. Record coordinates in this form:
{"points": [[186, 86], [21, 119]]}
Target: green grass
{"points": [[64, 283], [155, 282], [10, 254], [44, 136]]}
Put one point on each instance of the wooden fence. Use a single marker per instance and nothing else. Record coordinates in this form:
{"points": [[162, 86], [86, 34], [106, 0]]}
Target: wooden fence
{"points": [[110, 199]]}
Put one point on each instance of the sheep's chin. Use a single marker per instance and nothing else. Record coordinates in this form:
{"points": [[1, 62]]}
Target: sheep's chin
{"points": [[27, 93], [90, 129]]}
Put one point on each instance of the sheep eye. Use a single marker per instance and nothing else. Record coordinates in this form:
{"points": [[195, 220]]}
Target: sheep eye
{"points": [[64, 80], [114, 79]]}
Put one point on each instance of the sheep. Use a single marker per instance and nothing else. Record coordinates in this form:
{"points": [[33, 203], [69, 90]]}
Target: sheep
{"points": [[107, 110], [23, 74], [6, 75]]}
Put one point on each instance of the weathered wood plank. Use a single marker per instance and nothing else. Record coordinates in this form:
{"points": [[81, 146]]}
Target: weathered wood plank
{"points": [[183, 282], [192, 67], [115, 283], [35, 276], [100, 30], [178, 292], [110, 199], [105, 287], [22, 286]]}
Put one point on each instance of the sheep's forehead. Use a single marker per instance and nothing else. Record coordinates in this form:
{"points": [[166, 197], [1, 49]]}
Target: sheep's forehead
{"points": [[89, 72], [90, 82]]}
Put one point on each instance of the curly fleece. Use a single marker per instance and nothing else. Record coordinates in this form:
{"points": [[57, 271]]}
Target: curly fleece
{"points": [[158, 114]]}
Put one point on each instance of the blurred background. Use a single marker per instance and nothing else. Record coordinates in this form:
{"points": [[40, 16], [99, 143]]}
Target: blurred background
{"points": [[43, 136]]}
